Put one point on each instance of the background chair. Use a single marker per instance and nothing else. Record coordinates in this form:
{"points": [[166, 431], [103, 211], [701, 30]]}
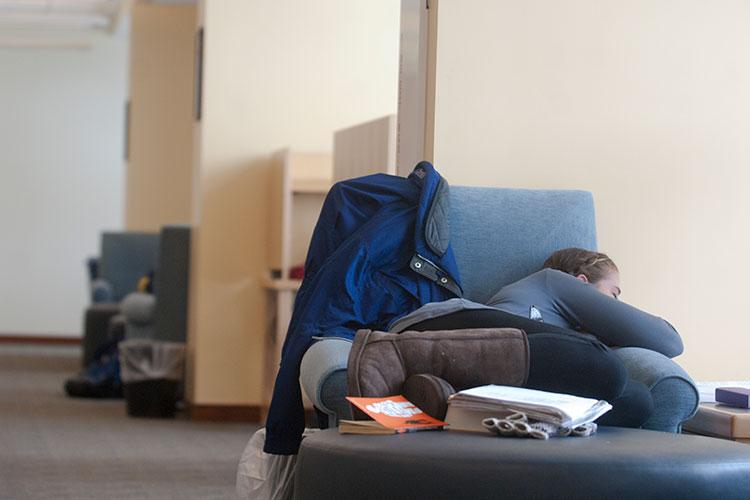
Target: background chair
{"points": [[124, 258], [500, 236], [163, 314]]}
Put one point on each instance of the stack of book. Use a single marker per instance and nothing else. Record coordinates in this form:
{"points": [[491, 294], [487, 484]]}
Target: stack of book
{"points": [[467, 409], [708, 393], [728, 418]]}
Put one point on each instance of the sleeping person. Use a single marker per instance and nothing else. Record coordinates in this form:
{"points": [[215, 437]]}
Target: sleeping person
{"points": [[571, 314], [575, 291]]}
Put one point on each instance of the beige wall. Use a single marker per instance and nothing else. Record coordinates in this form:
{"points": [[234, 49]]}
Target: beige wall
{"points": [[159, 172], [644, 103], [277, 74]]}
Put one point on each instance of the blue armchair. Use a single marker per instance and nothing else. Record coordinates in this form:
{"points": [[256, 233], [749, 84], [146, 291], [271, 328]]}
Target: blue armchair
{"points": [[125, 257], [500, 236]]}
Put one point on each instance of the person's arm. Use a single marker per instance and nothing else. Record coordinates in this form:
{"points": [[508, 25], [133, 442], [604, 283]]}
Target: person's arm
{"points": [[615, 323]]}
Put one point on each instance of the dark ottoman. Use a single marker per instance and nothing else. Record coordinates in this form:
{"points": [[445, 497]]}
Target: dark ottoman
{"points": [[614, 463]]}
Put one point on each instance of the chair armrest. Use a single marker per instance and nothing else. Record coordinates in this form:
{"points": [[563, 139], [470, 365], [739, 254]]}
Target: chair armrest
{"points": [[102, 291], [323, 377], [138, 308], [674, 392]]}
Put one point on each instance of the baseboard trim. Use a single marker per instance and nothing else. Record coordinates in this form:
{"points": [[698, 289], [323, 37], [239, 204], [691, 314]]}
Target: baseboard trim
{"points": [[10, 338], [226, 413], [239, 413]]}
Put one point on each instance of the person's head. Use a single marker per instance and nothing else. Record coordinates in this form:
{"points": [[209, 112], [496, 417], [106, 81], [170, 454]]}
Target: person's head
{"points": [[590, 267]]}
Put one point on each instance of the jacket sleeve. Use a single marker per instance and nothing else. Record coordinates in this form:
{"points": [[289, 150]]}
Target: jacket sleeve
{"points": [[614, 322]]}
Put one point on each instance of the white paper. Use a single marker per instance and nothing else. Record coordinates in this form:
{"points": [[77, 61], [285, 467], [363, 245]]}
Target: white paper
{"points": [[571, 410]]}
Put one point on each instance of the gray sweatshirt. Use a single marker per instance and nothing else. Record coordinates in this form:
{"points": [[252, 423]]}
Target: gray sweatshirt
{"points": [[560, 299]]}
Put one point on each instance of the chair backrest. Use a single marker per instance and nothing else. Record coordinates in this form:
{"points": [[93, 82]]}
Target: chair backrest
{"points": [[502, 235], [171, 284], [125, 257]]}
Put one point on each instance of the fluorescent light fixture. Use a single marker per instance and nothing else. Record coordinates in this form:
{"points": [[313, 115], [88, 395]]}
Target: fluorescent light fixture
{"points": [[65, 14], [60, 20], [25, 43]]}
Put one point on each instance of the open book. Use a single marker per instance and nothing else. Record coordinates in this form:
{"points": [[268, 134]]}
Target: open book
{"points": [[391, 415], [467, 409]]}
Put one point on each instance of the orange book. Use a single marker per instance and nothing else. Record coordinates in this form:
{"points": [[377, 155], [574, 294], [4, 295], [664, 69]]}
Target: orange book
{"points": [[397, 413]]}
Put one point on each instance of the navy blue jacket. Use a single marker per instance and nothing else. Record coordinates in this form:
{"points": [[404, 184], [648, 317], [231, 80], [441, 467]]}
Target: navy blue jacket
{"points": [[380, 250]]}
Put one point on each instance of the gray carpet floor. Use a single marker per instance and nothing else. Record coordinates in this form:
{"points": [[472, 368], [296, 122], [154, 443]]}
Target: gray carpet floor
{"points": [[59, 448]]}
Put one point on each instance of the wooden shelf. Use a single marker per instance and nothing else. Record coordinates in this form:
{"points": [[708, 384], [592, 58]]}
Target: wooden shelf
{"points": [[310, 186], [281, 284], [298, 184]]}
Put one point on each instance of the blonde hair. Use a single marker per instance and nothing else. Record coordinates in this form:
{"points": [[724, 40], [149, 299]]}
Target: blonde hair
{"points": [[576, 261]]}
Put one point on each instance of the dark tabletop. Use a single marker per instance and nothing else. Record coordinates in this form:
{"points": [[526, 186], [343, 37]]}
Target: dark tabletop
{"points": [[614, 463]]}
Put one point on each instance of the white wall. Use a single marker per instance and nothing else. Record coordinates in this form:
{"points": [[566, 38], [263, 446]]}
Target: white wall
{"points": [[644, 103], [61, 177]]}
